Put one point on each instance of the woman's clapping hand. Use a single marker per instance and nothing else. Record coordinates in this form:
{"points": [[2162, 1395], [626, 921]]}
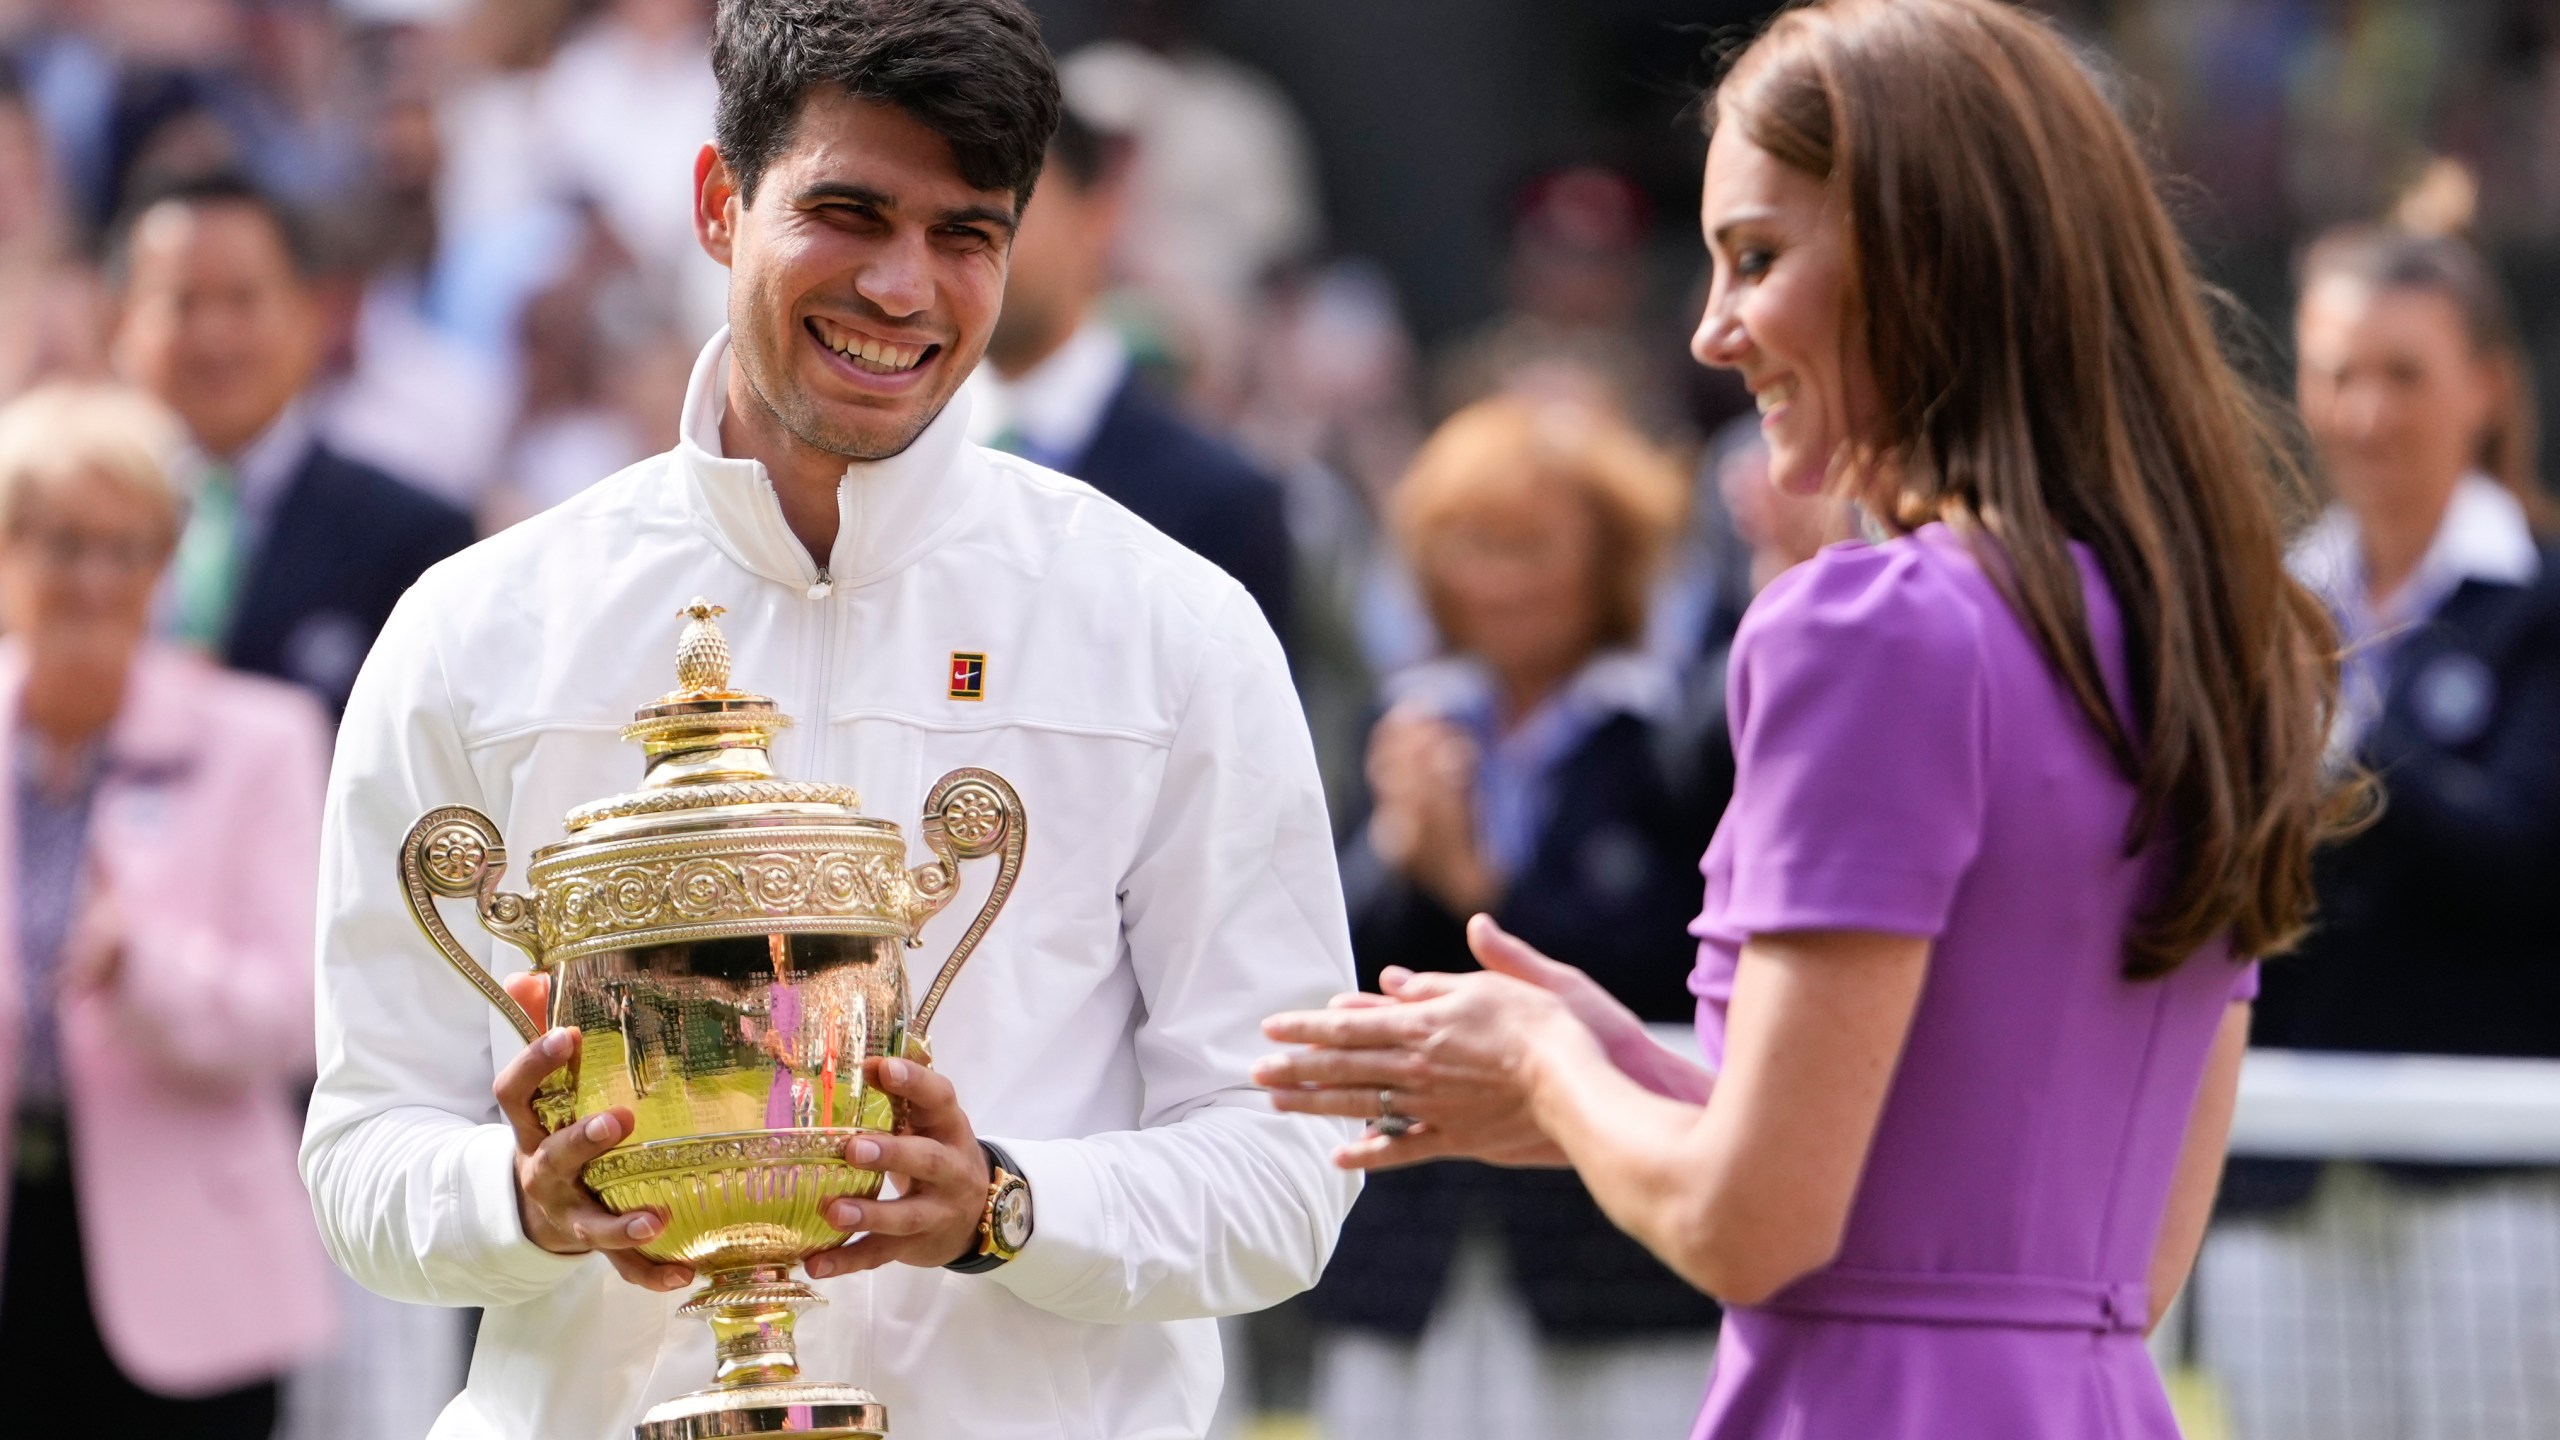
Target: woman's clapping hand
{"points": [[1461, 1054]]}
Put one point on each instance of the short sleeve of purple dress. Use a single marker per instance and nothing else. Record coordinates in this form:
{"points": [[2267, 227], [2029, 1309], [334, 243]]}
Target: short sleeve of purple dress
{"points": [[1907, 763]]}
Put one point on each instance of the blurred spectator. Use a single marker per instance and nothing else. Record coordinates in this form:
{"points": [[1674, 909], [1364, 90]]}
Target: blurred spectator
{"points": [[1743, 533], [49, 303], [1222, 186], [623, 110], [1329, 407], [2336, 1301], [163, 826], [1542, 773], [399, 390], [502, 226], [293, 554], [1577, 284], [140, 93], [604, 367], [1058, 388]]}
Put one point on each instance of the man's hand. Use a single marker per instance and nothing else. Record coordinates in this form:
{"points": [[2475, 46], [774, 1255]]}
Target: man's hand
{"points": [[558, 1211], [942, 1181]]}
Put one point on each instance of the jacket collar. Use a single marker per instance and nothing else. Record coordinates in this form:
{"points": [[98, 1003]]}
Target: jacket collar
{"points": [[2484, 536], [889, 512]]}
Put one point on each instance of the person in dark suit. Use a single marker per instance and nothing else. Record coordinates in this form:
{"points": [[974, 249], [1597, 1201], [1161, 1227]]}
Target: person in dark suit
{"points": [[293, 554], [1544, 771], [2433, 931], [1058, 387]]}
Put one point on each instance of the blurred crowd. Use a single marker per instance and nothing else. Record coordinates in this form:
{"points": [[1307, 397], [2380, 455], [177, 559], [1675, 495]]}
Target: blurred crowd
{"points": [[298, 297]]}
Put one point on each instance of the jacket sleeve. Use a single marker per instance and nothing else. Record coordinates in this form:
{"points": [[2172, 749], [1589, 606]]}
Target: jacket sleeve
{"points": [[411, 1175], [1231, 910], [228, 1001]]}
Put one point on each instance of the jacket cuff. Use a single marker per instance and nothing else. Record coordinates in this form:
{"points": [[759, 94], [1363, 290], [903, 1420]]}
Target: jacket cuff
{"points": [[1075, 1235], [492, 1227]]}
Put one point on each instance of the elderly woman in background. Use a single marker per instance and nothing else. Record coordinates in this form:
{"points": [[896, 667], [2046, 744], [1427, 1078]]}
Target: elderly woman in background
{"points": [[1542, 771], [2345, 1302], [159, 836]]}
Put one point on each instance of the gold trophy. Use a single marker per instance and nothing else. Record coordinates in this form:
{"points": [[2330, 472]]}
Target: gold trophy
{"points": [[727, 943]]}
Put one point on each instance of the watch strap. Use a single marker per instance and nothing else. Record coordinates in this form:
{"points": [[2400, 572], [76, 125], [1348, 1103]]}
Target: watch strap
{"points": [[983, 1258]]}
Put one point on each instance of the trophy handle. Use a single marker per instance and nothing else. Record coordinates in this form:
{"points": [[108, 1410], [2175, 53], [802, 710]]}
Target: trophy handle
{"points": [[455, 852], [971, 813]]}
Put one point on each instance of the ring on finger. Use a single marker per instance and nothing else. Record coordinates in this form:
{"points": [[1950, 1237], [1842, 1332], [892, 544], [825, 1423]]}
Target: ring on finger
{"points": [[1390, 1122]]}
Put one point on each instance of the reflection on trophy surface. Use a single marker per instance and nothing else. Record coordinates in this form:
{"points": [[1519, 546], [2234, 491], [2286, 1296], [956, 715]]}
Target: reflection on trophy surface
{"points": [[728, 945]]}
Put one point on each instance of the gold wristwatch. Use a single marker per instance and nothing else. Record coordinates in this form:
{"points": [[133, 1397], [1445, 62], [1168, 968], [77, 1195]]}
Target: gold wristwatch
{"points": [[1005, 1227]]}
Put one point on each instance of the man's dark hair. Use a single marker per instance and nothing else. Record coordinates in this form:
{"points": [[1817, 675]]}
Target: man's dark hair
{"points": [[223, 187], [975, 71]]}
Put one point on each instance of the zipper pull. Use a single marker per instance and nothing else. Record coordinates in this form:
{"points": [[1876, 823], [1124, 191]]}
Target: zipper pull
{"points": [[825, 587]]}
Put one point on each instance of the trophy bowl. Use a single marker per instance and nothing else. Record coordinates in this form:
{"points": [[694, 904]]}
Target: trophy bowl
{"points": [[729, 945]]}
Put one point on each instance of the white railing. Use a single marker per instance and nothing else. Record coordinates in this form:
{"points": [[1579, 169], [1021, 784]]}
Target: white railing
{"points": [[2328, 1105]]}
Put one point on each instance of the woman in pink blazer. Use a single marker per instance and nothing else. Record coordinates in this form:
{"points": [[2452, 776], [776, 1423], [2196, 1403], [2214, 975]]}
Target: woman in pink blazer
{"points": [[159, 835]]}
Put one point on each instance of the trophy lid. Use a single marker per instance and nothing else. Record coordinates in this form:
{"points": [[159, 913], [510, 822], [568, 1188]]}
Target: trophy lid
{"points": [[706, 744]]}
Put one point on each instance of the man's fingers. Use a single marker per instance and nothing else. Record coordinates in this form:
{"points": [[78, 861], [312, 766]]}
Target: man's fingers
{"points": [[933, 1107], [524, 1074], [913, 1215], [919, 1159], [649, 1274], [864, 1252], [532, 990], [572, 1148], [554, 1182], [584, 1224]]}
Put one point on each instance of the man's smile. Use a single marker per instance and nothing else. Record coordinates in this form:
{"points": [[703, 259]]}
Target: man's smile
{"points": [[870, 354]]}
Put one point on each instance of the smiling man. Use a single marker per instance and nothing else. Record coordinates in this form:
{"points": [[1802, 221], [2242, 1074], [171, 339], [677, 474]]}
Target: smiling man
{"points": [[919, 604]]}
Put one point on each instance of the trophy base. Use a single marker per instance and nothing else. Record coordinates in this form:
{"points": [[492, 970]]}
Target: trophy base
{"points": [[804, 1409]]}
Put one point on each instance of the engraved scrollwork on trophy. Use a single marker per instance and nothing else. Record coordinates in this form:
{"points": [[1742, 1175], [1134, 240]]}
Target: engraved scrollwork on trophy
{"points": [[970, 813], [629, 900]]}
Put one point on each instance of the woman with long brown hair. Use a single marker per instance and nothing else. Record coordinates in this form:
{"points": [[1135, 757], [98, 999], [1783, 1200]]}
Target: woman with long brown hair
{"points": [[2019, 790]]}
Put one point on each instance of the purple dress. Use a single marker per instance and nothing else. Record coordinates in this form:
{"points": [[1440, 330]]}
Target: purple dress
{"points": [[1908, 764]]}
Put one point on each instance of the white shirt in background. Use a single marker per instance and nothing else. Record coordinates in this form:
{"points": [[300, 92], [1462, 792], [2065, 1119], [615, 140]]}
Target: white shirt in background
{"points": [[1051, 411]]}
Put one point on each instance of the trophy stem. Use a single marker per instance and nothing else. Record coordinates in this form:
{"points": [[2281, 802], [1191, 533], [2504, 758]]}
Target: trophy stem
{"points": [[751, 1312]]}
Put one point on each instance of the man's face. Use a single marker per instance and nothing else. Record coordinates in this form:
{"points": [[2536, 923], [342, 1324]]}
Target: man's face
{"points": [[865, 278], [215, 319]]}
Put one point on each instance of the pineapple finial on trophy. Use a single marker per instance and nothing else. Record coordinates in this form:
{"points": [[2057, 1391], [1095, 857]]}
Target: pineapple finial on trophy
{"points": [[702, 652]]}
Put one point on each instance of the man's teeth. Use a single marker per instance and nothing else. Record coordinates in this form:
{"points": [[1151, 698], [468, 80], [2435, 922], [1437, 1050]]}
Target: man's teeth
{"points": [[877, 356]]}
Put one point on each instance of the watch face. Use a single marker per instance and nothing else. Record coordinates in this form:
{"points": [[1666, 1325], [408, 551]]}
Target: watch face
{"points": [[1013, 1218]]}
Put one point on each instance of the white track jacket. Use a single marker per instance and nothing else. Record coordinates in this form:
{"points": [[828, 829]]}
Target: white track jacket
{"points": [[1178, 885]]}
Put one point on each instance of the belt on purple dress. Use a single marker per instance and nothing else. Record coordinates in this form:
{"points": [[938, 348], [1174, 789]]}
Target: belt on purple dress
{"points": [[2039, 1302]]}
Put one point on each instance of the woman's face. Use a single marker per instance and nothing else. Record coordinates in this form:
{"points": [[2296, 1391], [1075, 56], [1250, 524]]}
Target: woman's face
{"points": [[2394, 394], [1515, 581], [77, 571], [1778, 310]]}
